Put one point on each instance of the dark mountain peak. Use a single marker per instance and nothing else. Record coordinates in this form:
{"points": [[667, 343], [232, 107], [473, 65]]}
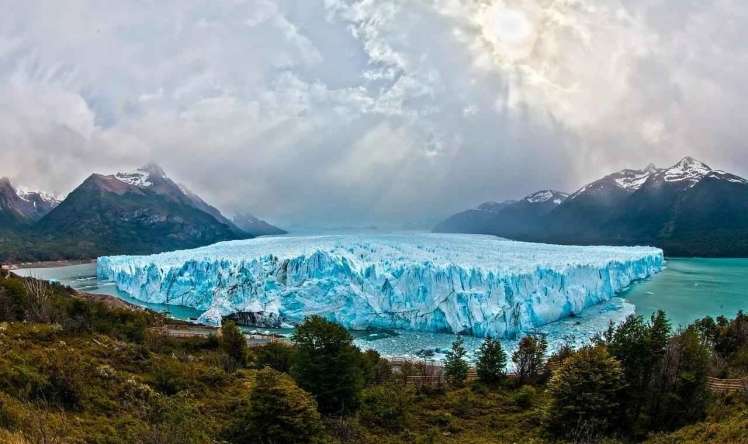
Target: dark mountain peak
{"points": [[495, 207], [557, 197], [5, 182]]}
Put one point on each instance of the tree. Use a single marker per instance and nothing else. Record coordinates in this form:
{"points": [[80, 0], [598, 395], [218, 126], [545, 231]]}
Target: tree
{"points": [[275, 355], [682, 398], [640, 348], [279, 412], [374, 368], [528, 358], [233, 343], [327, 365], [584, 395], [491, 361], [455, 367]]}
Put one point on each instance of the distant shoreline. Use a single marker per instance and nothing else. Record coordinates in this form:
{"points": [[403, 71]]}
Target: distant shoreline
{"points": [[49, 264]]}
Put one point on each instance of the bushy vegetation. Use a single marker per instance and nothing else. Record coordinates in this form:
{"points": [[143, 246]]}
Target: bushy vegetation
{"points": [[278, 412], [78, 370]]}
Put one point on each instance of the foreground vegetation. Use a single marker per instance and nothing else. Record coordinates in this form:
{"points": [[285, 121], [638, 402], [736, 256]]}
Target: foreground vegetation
{"points": [[76, 370]]}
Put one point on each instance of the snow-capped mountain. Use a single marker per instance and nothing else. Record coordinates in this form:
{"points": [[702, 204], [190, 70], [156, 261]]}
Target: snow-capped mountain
{"points": [[505, 218], [687, 209], [23, 206], [141, 211]]}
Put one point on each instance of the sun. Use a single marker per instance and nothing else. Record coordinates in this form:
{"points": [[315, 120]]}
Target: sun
{"points": [[510, 31]]}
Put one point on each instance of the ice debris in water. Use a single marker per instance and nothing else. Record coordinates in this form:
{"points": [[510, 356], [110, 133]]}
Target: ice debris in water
{"points": [[452, 283]]}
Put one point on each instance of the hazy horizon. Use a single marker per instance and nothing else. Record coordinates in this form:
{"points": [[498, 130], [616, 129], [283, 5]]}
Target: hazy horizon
{"points": [[357, 113]]}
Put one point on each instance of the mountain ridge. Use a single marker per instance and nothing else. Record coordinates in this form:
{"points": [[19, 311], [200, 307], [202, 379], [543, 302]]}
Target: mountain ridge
{"points": [[687, 209], [137, 212]]}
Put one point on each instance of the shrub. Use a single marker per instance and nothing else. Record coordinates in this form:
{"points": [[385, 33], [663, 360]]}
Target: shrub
{"points": [[327, 365], [524, 397], [279, 412], [585, 394], [233, 343], [275, 355], [386, 406], [169, 377], [176, 420]]}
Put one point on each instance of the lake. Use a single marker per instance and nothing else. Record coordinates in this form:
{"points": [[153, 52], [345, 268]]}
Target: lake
{"points": [[686, 290]]}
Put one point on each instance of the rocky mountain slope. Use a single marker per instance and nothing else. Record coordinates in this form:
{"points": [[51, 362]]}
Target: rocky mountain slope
{"points": [[19, 206]]}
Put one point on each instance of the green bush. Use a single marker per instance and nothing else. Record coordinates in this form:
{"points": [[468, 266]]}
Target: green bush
{"points": [[387, 406], [169, 378], [276, 355], [234, 343], [524, 397], [279, 412], [585, 393]]}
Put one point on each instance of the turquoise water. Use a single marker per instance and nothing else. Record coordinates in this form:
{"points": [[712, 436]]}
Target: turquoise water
{"points": [[689, 289], [686, 290]]}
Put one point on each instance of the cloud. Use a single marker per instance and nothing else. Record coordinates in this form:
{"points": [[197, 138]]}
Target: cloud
{"points": [[337, 112]]}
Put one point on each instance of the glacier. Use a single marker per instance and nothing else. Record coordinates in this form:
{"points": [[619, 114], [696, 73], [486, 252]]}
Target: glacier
{"points": [[452, 283]]}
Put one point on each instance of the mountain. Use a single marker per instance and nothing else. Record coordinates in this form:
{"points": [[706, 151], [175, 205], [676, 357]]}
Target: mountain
{"points": [[688, 209], [21, 207], [256, 227], [508, 219], [136, 212]]}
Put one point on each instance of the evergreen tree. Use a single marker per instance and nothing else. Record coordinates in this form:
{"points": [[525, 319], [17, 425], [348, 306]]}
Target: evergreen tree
{"points": [[529, 357], [233, 343], [279, 412], [491, 361], [455, 367], [327, 364], [584, 395]]}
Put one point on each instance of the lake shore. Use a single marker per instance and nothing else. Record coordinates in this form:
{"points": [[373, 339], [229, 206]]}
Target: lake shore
{"points": [[48, 264]]}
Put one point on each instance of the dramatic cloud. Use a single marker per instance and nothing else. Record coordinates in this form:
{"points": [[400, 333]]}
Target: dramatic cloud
{"points": [[334, 112]]}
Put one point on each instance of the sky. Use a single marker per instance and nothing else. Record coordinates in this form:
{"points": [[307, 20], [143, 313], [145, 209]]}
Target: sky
{"points": [[353, 113]]}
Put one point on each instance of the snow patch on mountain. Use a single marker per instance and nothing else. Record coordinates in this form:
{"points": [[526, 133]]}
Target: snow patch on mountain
{"points": [[478, 285], [546, 195], [688, 170], [143, 177]]}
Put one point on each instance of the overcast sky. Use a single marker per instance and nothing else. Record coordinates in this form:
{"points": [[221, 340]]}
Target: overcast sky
{"points": [[335, 112]]}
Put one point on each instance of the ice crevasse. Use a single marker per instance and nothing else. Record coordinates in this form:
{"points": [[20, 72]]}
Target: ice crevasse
{"points": [[470, 284]]}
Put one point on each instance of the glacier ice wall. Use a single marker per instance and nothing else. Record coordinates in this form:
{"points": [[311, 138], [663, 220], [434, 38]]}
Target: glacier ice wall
{"points": [[477, 285]]}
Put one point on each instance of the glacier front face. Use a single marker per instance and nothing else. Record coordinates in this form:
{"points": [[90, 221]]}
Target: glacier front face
{"points": [[477, 285]]}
